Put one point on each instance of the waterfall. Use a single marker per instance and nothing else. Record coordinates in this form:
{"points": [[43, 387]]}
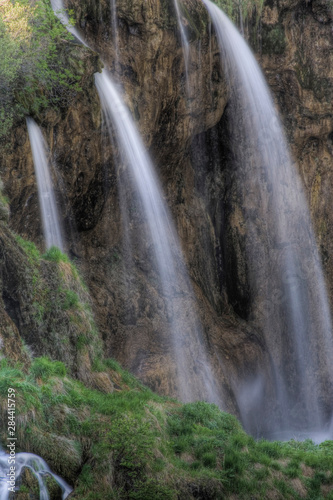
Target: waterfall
{"points": [[47, 202], [37, 466], [184, 40], [290, 302], [60, 12], [188, 345], [114, 26]]}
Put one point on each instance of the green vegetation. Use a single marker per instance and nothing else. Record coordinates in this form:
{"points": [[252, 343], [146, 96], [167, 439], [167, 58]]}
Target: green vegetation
{"points": [[33, 69], [29, 248], [59, 319], [43, 368], [241, 10], [54, 254], [133, 444], [273, 39]]}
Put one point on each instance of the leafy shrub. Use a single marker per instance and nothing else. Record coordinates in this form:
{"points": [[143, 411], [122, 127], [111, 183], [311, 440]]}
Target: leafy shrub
{"points": [[32, 70]]}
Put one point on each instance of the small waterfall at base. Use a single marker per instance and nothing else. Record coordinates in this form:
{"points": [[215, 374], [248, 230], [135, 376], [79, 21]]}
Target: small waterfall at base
{"points": [[39, 469], [289, 299], [164, 250], [47, 202]]}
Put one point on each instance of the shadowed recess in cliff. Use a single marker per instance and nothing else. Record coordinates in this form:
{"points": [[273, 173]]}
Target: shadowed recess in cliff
{"points": [[47, 202], [36, 466], [194, 375], [288, 296]]}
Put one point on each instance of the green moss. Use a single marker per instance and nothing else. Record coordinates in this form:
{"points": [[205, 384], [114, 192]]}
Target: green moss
{"points": [[70, 300], [58, 316], [81, 343], [244, 9], [273, 39], [29, 248], [317, 83]]}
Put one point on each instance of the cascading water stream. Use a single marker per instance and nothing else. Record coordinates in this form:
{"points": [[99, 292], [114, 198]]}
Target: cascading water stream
{"points": [[47, 202], [60, 12], [284, 266], [189, 351], [184, 40], [39, 469], [161, 235], [114, 26]]}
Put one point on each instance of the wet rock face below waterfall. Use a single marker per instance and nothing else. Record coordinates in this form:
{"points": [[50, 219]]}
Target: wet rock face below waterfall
{"points": [[181, 133]]}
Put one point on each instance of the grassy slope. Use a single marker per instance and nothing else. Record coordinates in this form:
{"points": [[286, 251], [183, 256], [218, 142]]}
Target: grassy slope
{"points": [[134, 444], [131, 443]]}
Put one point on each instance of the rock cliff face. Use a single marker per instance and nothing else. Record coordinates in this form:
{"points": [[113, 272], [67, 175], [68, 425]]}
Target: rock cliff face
{"points": [[180, 130], [296, 55]]}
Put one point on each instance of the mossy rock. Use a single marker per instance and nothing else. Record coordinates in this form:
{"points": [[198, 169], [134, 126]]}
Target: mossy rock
{"points": [[28, 486], [62, 454], [53, 488], [273, 39], [4, 212]]}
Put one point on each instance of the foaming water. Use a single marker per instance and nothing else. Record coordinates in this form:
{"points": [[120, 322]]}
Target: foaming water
{"points": [[39, 469], [188, 346], [286, 279], [47, 202]]}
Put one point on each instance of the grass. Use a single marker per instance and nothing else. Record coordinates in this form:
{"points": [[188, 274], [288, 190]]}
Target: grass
{"points": [[61, 323], [54, 254], [134, 444], [29, 248]]}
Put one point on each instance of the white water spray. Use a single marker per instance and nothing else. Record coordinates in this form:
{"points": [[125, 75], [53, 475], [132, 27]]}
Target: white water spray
{"points": [[39, 469], [47, 202], [296, 323]]}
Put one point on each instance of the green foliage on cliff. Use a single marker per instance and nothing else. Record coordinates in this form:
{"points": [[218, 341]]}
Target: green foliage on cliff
{"points": [[59, 320], [239, 10], [32, 70], [133, 444]]}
